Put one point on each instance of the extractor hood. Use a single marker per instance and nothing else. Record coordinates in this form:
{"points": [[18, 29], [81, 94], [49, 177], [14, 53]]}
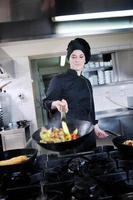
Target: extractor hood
{"points": [[32, 19], [16, 10], [68, 7]]}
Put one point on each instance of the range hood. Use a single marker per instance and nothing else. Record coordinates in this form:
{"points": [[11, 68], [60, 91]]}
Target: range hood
{"points": [[16, 10], [68, 7], [32, 19]]}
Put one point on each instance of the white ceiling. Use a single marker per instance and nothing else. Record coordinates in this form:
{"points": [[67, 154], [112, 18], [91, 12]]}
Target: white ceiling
{"points": [[57, 46]]}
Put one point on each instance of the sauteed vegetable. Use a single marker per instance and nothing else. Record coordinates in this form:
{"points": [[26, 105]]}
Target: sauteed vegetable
{"points": [[14, 160], [55, 135], [128, 142]]}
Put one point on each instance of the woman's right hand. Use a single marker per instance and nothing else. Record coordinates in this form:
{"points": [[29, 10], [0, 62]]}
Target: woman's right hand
{"points": [[61, 106]]}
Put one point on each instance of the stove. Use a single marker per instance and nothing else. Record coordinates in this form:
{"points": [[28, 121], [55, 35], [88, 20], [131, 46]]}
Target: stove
{"points": [[101, 174]]}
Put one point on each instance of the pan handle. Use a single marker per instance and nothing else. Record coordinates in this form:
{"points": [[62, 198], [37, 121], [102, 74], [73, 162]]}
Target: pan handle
{"points": [[112, 133]]}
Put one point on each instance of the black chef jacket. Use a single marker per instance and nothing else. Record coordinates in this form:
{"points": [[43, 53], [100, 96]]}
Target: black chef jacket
{"points": [[77, 91]]}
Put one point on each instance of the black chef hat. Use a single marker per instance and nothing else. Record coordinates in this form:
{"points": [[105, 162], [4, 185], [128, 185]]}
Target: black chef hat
{"points": [[79, 44]]}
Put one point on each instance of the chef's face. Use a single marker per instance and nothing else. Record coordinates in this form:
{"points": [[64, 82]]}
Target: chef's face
{"points": [[77, 60]]}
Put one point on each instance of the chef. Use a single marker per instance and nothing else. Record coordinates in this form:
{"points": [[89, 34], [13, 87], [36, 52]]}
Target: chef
{"points": [[71, 92]]}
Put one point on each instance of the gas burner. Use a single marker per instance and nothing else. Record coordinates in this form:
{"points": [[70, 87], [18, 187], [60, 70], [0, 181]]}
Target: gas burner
{"points": [[103, 174], [76, 165], [58, 190], [86, 189], [15, 179]]}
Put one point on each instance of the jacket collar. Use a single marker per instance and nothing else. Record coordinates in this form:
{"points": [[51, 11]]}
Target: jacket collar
{"points": [[72, 71]]}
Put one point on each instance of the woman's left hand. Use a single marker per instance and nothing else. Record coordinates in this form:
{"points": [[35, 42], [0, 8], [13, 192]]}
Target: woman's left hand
{"points": [[99, 132]]}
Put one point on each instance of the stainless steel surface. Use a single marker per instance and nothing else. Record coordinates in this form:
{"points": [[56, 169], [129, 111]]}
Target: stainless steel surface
{"points": [[78, 6], [5, 107], [124, 64], [113, 113], [63, 116], [130, 101], [112, 133], [14, 10], [16, 17]]}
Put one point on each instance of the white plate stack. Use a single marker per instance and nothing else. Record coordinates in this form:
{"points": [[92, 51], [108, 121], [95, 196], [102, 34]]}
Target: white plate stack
{"points": [[108, 76], [101, 77]]}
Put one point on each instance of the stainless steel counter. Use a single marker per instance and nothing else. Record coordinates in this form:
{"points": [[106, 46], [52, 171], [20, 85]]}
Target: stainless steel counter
{"points": [[113, 113]]}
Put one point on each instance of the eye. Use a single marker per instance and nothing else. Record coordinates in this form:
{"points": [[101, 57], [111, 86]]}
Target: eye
{"points": [[73, 56], [82, 56]]}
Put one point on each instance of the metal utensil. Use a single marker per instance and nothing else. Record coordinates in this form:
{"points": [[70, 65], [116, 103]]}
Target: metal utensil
{"points": [[1, 87], [112, 133], [63, 116]]}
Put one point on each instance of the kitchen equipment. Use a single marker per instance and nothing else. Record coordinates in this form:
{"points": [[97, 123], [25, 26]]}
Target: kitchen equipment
{"points": [[85, 132], [118, 142], [5, 109], [107, 76], [112, 133], [1, 87], [130, 101], [30, 153], [63, 116], [23, 123], [97, 175], [101, 77], [1, 119]]}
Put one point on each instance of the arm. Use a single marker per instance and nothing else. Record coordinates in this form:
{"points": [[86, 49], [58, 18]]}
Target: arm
{"points": [[53, 101], [53, 94], [99, 132]]}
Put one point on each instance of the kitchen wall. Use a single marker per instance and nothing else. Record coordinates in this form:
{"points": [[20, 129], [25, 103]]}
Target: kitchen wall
{"points": [[22, 52], [22, 107], [112, 97]]}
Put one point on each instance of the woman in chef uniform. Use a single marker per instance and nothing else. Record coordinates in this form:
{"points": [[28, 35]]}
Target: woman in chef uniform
{"points": [[71, 92]]}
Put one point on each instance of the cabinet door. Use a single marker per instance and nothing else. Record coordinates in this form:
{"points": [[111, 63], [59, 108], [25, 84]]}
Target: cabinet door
{"points": [[13, 140], [124, 65]]}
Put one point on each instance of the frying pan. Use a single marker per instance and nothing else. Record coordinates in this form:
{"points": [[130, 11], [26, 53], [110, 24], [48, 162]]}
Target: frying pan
{"points": [[118, 142], [30, 153], [85, 132]]}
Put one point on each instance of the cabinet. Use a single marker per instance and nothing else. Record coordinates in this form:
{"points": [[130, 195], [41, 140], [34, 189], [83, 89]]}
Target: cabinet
{"points": [[99, 70], [123, 61], [13, 139]]}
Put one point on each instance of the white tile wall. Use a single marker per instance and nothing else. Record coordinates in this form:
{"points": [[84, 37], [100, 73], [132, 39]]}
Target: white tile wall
{"points": [[117, 94]]}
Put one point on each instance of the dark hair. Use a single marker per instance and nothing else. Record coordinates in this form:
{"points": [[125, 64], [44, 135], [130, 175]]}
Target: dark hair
{"points": [[79, 44]]}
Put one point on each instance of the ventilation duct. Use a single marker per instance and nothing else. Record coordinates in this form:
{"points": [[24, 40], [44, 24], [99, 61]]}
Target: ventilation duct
{"points": [[66, 7], [14, 10]]}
